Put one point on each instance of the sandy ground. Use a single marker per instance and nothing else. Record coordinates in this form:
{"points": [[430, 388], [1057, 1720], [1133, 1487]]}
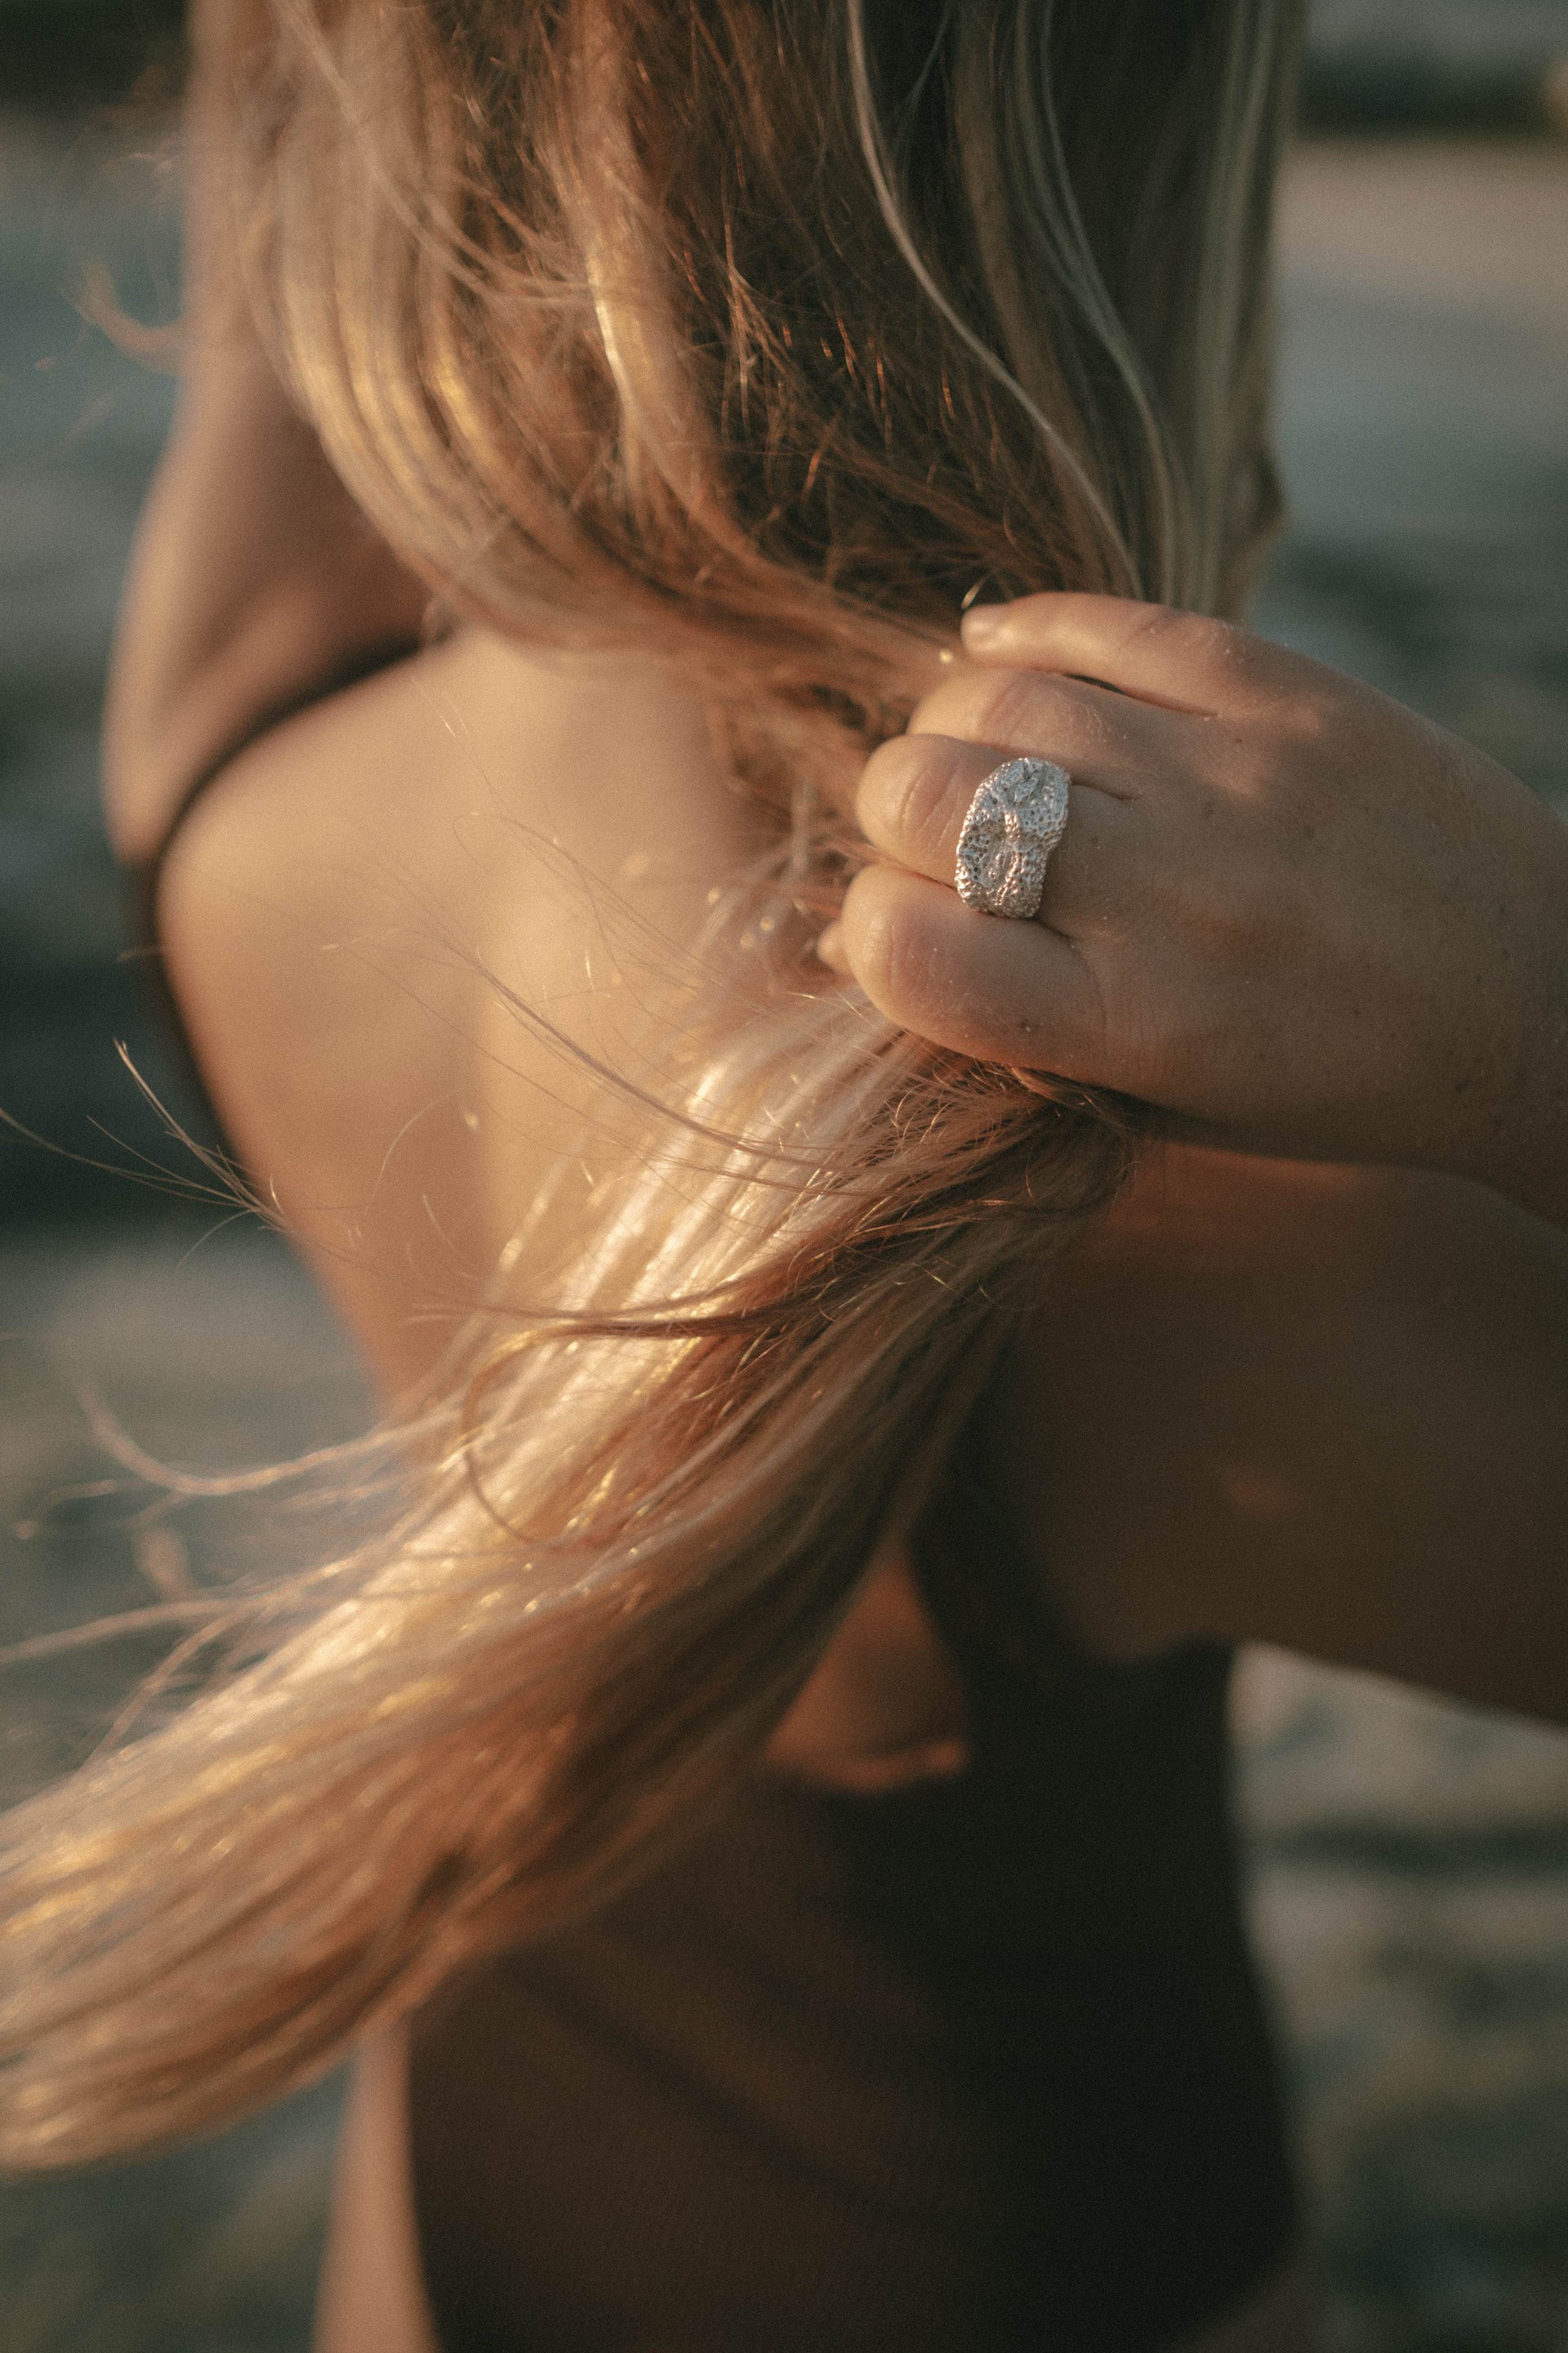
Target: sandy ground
{"points": [[1408, 1862]]}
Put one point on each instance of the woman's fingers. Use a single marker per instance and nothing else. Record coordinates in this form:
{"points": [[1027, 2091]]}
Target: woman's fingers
{"points": [[1119, 745], [1004, 992], [916, 792], [1283, 907], [1184, 660]]}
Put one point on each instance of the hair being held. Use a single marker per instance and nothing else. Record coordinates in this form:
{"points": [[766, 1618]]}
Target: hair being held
{"points": [[759, 336]]}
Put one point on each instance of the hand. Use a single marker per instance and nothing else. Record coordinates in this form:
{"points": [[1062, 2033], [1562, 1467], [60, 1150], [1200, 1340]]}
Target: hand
{"points": [[1285, 910]]}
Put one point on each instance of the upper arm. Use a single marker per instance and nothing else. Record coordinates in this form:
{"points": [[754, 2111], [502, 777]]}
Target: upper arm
{"points": [[255, 582], [372, 2297], [1323, 1408]]}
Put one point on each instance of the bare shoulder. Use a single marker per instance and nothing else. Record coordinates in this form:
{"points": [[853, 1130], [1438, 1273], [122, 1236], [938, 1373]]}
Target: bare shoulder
{"points": [[372, 2297], [367, 914]]}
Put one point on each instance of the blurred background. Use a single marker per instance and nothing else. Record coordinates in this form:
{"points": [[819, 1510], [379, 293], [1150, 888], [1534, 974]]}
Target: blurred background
{"points": [[1407, 1860]]}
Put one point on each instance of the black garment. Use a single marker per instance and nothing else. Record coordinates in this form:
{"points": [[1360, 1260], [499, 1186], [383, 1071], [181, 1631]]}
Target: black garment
{"points": [[975, 2067], [979, 2066]]}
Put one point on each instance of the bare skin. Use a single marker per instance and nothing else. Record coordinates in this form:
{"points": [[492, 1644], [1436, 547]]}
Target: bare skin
{"points": [[1312, 1404], [1316, 1398], [1286, 910]]}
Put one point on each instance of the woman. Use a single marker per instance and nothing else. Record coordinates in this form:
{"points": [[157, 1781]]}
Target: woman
{"points": [[861, 1360]]}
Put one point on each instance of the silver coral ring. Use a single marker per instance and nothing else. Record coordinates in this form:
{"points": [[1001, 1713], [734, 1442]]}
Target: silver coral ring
{"points": [[1016, 820]]}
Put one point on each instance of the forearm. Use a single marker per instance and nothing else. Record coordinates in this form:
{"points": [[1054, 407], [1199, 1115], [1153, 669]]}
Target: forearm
{"points": [[1318, 1407], [256, 581]]}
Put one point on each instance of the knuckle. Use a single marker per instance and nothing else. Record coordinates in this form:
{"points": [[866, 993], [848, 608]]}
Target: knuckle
{"points": [[1239, 936], [1151, 625], [1225, 639], [945, 710], [1206, 637], [905, 795], [880, 940], [1006, 711]]}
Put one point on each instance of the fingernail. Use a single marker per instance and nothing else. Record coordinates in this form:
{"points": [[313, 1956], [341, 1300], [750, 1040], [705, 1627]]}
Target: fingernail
{"points": [[830, 949], [982, 626]]}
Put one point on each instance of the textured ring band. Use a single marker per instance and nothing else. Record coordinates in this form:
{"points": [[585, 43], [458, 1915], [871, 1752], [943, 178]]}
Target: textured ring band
{"points": [[1018, 816]]}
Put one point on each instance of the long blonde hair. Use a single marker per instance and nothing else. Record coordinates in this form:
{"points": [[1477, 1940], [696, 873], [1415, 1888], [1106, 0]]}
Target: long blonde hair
{"points": [[763, 333]]}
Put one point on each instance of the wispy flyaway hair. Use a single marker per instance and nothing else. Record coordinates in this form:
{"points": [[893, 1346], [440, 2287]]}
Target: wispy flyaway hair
{"points": [[762, 335]]}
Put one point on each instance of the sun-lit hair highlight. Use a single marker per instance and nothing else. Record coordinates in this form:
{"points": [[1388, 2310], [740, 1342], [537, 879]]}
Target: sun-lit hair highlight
{"points": [[760, 336]]}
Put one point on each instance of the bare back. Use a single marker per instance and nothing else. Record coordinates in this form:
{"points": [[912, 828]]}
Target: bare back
{"points": [[355, 918], [358, 923], [408, 924]]}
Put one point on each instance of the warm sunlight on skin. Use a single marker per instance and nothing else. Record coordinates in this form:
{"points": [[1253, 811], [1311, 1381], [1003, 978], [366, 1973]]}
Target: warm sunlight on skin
{"points": [[804, 1369], [1286, 909]]}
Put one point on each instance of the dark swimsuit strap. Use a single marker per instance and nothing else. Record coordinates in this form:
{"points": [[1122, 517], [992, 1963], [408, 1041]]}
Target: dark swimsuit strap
{"points": [[998, 1624], [144, 876]]}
